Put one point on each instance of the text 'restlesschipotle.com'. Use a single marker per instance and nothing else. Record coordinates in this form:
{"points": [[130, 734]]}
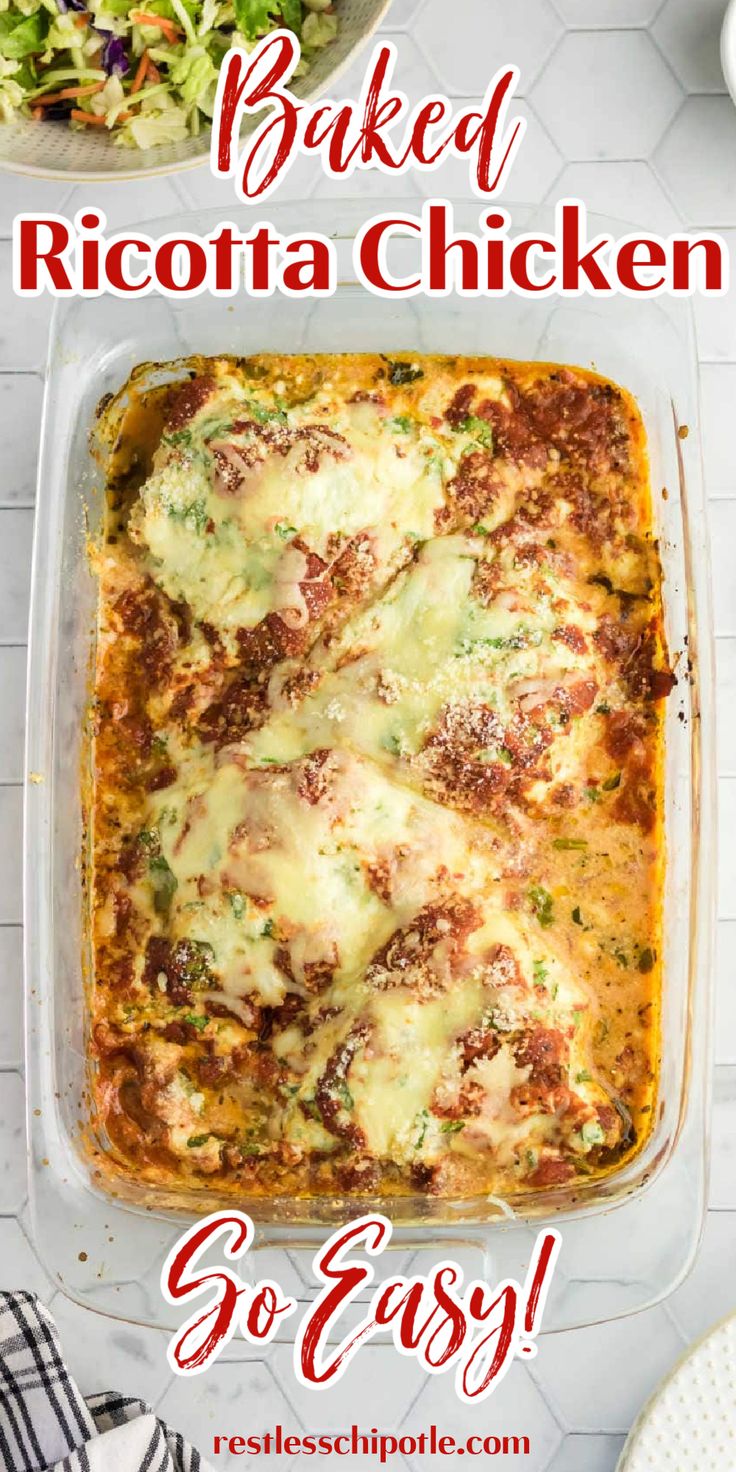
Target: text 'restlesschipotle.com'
{"points": [[373, 1443]]}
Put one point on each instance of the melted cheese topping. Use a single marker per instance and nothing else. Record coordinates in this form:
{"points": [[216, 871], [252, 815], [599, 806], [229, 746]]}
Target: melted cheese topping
{"points": [[234, 497], [431, 645], [378, 779], [278, 866]]}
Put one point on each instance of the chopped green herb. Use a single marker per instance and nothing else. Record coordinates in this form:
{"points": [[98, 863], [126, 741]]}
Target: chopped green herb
{"points": [[268, 928], [199, 1022], [192, 960], [148, 839], [392, 743], [540, 973], [452, 1126], [401, 424], [164, 883], [646, 960], [611, 783], [569, 843], [583, 1077], [479, 428], [601, 1031], [603, 709], [542, 905], [194, 1141], [262, 415], [481, 531], [532, 1159], [283, 530], [592, 794], [423, 1121], [237, 905], [577, 1016], [342, 1092], [195, 516], [522, 639], [576, 915], [400, 373], [592, 1133], [512, 641], [178, 437]]}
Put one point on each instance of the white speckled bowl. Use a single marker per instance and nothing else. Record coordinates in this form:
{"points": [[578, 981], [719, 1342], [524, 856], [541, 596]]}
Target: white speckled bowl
{"points": [[50, 150], [690, 1421]]}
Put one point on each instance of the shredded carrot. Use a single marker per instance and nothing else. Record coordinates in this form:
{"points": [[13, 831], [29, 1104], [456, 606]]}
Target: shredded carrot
{"points": [[69, 92], [92, 117], [146, 18], [81, 21], [152, 70], [141, 73], [36, 113], [87, 117]]}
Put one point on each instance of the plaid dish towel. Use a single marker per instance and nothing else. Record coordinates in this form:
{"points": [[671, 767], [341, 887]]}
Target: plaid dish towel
{"points": [[47, 1426]]}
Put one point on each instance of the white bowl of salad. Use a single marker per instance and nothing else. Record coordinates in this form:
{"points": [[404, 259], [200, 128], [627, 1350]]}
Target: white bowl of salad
{"points": [[101, 89]]}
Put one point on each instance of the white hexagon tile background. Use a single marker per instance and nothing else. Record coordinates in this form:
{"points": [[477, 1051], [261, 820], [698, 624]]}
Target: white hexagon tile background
{"points": [[658, 144]]}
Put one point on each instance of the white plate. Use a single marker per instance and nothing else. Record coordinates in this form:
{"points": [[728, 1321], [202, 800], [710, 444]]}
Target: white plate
{"points": [[689, 1425]]}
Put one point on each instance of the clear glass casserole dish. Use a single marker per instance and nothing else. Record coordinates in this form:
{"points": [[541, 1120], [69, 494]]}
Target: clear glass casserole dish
{"points": [[106, 1249]]}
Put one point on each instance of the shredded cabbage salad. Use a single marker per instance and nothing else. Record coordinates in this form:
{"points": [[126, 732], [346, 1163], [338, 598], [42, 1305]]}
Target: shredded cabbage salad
{"points": [[146, 70]]}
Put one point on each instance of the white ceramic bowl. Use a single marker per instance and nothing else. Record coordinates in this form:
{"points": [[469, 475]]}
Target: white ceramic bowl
{"points": [[689, 1424], [49, 150], [728, 48]]}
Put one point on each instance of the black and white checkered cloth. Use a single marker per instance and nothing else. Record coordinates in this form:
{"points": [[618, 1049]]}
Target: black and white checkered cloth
{"points": [[47, 1426]]}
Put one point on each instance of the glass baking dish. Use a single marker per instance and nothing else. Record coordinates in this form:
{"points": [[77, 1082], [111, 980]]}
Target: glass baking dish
{"points": [[628, 1239]]}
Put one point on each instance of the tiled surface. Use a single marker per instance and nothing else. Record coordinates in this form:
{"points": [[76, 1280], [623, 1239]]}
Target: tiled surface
{"points": [[529, 29], [607, 14], [627, 108], [592, 1388], [607, 94], [696, 161], [625, 191], [537, 167], [723, 531], [20, 406], [518, 1404], [689, 37]]}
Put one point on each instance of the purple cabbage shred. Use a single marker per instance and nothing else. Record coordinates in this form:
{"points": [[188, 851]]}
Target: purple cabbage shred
{"points": [[114, 58]]}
